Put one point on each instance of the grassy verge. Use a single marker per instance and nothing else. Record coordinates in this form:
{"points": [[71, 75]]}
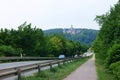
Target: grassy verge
{"points": [[102, 72], [57, 73]]}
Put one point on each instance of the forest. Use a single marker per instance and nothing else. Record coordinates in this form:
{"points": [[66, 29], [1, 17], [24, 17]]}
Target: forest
{"points": [[32, 42], [84, 36], [107, 43]]}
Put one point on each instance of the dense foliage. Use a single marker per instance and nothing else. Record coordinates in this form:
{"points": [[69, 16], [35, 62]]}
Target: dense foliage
{"points": [[113, 54], [32, 42], [115, 67], [107, 43], [84, 36]]}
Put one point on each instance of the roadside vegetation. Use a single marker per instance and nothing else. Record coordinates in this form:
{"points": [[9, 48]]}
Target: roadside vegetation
{"points": [[102, 72], [84, 36], [107, 45], [30, 41], [57, 73]]}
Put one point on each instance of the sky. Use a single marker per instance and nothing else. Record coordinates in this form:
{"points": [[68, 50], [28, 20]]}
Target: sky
{"points": [[49, 14]]}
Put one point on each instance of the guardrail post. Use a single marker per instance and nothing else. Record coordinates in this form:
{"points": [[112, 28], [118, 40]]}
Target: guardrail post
{"points": [[64, 61], [70, 59], [58, 63], [39, 68], [19, 73], [50, 66], [67, 60]]}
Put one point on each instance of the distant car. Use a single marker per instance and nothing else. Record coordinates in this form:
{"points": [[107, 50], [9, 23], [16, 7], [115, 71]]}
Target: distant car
{"points": [[61, 56], [76, 56]]}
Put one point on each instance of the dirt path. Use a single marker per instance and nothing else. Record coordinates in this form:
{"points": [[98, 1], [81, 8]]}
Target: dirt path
{"points": [[87, 71]]}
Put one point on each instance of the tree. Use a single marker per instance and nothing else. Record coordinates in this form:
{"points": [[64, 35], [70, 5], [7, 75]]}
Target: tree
{"points": [[113, 54], [31, 40], [9, 51], [109, 33], [55, 45]]}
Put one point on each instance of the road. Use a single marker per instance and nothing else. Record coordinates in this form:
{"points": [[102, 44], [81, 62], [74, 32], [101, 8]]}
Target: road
{"points": [[87, 71], [17, 64]]}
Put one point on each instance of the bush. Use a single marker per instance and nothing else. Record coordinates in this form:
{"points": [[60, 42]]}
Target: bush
{"points": [[113, 54], [1, 54], [9, 51], [115, 67]]}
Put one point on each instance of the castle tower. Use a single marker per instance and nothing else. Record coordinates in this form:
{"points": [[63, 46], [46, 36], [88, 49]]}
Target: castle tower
{"points": [[64, 31], [72, 30]]}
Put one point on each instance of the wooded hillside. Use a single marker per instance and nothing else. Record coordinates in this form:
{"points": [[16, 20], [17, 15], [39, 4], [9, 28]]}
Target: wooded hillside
{"points": [[84, 36]]}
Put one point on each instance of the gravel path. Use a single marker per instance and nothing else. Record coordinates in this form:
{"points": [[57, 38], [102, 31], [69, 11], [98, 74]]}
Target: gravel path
{"points": [[87, 71]]}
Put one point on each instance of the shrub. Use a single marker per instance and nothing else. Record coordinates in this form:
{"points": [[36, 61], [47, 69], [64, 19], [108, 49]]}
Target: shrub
{"points": [[113, 54], [9, 51], [115, 67], [1, 54]]}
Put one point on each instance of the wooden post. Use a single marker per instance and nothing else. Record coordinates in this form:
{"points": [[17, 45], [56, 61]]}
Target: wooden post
{"points": [[67, 60], [39, 68], [19, 73], [58, 64], [71, 60], [50, 66], [64, 61]]}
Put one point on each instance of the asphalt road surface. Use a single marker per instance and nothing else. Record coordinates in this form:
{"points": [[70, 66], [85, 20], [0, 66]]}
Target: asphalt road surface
{"points": [[87, 71], [17, 64]]}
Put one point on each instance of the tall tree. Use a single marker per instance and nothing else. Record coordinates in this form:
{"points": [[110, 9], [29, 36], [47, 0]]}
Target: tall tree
{"points": [[110, 31]]}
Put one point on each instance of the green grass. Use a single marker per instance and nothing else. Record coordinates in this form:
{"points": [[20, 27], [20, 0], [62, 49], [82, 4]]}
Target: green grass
{"points": [[57, 73], [102, 72]]}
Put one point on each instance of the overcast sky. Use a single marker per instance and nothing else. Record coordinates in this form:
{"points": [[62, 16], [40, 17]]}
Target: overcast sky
{"points": [[47, 14]]}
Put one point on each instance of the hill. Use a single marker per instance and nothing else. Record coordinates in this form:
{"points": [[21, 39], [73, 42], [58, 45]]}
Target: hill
{"points": [[84, 36]]}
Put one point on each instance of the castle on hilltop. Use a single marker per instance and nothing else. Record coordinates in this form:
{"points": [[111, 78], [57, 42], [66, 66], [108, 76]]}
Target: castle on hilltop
{"points": [[71, 31]]}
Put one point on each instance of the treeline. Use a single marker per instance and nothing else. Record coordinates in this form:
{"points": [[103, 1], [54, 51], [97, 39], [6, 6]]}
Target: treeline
{"points": [[107, 44], [84, 36], [32, 42]]}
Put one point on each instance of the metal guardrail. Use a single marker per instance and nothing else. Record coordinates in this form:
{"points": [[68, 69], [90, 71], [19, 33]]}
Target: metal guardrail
{"points": [[4, 73], [27, 58]]}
